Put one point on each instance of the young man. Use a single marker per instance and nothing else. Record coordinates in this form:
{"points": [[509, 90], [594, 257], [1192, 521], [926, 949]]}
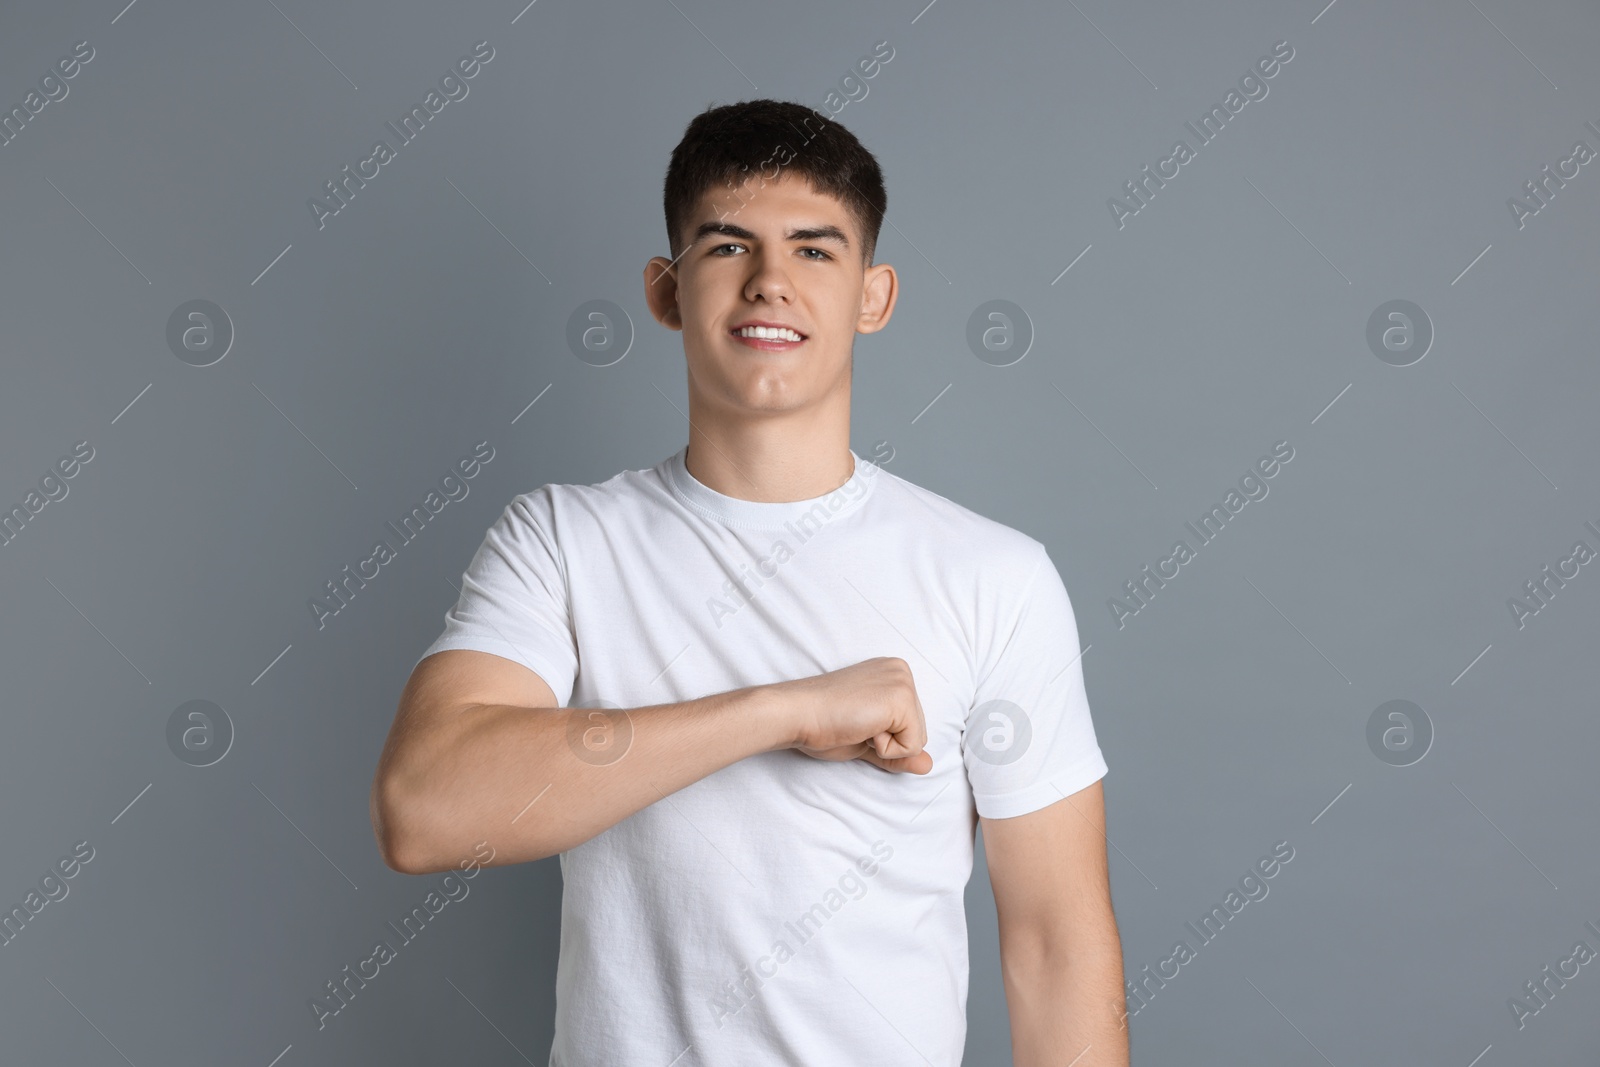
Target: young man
{"points": [[759, 696]]}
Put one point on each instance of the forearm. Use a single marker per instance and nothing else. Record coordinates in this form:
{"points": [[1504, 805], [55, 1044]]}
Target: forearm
{"points": [[1065, 1005], [512, 776]]}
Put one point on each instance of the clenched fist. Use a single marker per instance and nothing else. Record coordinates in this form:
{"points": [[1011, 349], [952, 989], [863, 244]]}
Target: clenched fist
{"points": [[868, 710]]}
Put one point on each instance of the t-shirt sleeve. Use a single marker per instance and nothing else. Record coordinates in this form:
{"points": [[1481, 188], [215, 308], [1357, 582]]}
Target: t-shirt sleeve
{"points": [[513, 600], [1029, 740]]}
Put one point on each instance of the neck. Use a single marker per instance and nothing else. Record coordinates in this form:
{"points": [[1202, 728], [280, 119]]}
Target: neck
{"points": [[772, 460]]}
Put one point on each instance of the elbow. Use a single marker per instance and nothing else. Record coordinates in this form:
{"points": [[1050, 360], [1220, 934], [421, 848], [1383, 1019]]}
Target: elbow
{"points": [[396, 828], [412, 839], [401, 858]]}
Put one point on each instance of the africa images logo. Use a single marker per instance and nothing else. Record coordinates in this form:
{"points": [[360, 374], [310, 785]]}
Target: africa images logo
{"points": [[816, 519], [737, 993]]}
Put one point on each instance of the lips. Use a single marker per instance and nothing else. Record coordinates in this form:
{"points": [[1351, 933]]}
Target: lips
{"points": [[768, 336]]}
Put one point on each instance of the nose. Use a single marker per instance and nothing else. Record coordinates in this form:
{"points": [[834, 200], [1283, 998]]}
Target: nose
{"points": [[768, 280]]}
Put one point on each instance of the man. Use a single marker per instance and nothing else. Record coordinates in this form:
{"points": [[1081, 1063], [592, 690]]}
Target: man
{"points": [[759, 696]]}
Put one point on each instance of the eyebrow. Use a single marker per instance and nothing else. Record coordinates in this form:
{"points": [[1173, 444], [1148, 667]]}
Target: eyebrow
{"points": [[811, 233]]}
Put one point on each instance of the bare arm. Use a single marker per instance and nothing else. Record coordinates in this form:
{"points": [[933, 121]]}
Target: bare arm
{"points": [[1060, 954], [479, 751]]}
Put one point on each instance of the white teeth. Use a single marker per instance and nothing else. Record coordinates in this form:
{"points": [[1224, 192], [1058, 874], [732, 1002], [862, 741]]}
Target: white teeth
{"points": [[770, 333]]}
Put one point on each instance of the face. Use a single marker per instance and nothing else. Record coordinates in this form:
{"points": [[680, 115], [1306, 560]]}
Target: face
{"points": [[780, 254]]}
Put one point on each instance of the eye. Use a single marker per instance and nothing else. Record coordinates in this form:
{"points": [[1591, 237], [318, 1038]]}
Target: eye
{"points": [[819, 252], [717, 250]]}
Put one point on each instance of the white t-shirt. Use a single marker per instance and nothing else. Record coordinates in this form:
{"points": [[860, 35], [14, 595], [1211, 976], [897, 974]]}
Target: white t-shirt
{"points": [[783, 909]]}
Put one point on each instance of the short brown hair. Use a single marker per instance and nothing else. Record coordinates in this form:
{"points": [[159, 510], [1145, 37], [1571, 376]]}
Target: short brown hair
{"points": [[756, 140]]}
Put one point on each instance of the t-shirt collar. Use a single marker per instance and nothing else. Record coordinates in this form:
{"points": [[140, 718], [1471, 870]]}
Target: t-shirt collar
{"points": [[735, 511]]}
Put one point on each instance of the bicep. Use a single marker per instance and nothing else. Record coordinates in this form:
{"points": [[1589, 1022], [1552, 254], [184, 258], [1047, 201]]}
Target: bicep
{"points": [[434, 708], [446, 682], [1050, 875]]}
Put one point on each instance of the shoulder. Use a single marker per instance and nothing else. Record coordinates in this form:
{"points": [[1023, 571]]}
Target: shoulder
{"points": [[559, 508], [985, 549]]}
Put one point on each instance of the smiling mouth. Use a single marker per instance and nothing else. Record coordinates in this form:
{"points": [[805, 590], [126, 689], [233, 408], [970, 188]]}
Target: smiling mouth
{"points": [[769, 338]]}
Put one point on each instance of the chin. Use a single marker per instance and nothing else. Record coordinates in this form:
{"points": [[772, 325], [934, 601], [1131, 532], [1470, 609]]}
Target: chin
{"points": [[767, 399]]}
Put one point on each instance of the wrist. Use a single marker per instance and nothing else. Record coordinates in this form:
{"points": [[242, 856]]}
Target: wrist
{"points": [[770, 707]]}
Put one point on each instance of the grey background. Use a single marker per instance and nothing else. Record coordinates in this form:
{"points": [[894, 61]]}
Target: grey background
{"points": [[1229, 314]]}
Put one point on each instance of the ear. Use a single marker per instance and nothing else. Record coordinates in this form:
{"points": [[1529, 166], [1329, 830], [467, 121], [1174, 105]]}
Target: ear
{"points": [[661, 292], [880, 288]]}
